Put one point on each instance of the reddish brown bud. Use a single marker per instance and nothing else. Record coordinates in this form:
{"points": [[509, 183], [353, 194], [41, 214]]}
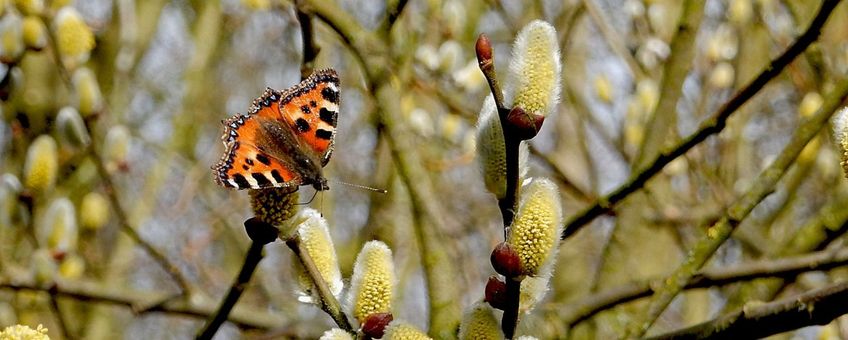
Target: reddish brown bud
{"points": [[505, 260], [484, 50], [375, 324], [496, 293], [523, 125], [260, 231]]}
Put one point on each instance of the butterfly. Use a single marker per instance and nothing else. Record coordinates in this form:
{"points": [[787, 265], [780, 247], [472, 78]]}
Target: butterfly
{"points": [[285, 139]]}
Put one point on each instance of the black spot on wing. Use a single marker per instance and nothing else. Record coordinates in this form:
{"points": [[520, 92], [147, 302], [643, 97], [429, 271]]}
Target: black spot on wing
{"points": [[264, 159], [260, 178], [313, 103], [330, 117], [248, 161], [245, 167], [277, 177], [305, 109], [330, 95], [241, 181], [323, 134], [302, 125]]}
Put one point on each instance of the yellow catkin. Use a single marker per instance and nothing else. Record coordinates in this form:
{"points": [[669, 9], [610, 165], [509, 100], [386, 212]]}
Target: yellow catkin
{"points": [[535, 69], [58, 228], [535, 232], [400, 330], [11, 37], [42, 164], [88, 98], [35, 33], [275, 206], [315, 239], [94, 211], [479, 322], [74, 38], [21, 332], [372, 284], [30, 7]]}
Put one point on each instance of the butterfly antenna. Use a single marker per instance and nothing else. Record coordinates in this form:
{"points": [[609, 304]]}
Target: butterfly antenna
{"points": [[362, 187]]}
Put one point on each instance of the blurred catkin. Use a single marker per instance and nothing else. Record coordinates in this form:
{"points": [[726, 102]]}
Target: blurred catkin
{"points": [[94, 211], [88, 98], [58, 229], [74, 38], [491, 150], [42, 164], [35, 33], [71, 129], [30, 7], [11, 37], [372, 283]]}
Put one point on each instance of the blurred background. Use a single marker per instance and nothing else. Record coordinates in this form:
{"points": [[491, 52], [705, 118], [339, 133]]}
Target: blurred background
{"points": [[145, 85]]}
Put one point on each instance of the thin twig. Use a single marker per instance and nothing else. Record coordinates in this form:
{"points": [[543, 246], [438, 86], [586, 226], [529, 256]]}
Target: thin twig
{"points": [[251, 260], [307, 34], [64, 330], [328, 302], [88, 291], [817, 307], [711, 126]]}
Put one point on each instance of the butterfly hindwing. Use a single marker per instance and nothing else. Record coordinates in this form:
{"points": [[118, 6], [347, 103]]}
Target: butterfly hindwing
{"points": [[244, 165]]}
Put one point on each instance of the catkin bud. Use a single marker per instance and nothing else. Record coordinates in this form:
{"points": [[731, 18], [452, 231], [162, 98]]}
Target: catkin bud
{"points": [[11, 37], [535, 232], [24, 333], [479, 323], [317, 243], [811, 103], [400, 330], [72, 266], [336, 334], [94, 211], [533, 290], [491, 150], [70, 128], [603, 88], [722, 75], [469, 77], [117, 145], [58, 228], [30, 7], [840, 133], [43, 266], [275, 206], [450, 55], [42, 164], [534, 71], [74, 38], [88, 97], [375, 324], [35, 33], [372, 283]]}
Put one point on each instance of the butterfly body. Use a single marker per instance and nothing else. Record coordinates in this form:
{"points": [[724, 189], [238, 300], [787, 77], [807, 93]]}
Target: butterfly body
{"points": [[286, 138]]}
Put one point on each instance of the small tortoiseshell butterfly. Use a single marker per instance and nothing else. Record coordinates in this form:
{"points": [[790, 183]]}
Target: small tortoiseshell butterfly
{"points": [[285, 139]]}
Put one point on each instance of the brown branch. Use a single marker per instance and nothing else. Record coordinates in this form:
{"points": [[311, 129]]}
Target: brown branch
{"points": [[817, 307], [785, 268], [709, 127], [307, 34], [141, 302]]}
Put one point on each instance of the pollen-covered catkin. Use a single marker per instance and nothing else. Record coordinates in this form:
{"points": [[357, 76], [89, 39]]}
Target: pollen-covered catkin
{"points": [[372, 283]]}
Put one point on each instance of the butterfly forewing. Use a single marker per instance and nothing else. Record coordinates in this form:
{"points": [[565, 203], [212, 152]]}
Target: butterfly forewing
{"points": [[312, 108]]}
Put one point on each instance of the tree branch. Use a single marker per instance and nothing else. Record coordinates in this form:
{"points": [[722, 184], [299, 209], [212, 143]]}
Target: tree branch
{"points": [[817, 307], [709, 127]]}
